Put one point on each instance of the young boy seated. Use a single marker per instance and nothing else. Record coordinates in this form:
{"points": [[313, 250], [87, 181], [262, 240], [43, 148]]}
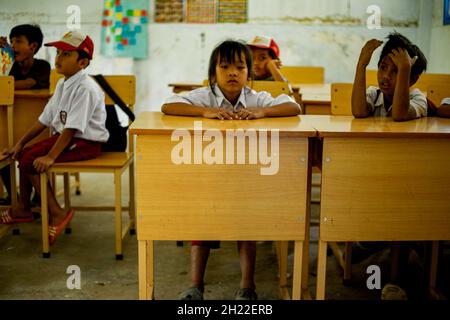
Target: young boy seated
{"points": [[400, 66], [28, 72], [76, 115]]}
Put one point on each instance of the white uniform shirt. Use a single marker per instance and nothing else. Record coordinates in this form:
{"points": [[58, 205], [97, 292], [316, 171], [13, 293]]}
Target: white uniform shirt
{"points": [[417, 100], [78, 103], [204, 97], [446, 101]]}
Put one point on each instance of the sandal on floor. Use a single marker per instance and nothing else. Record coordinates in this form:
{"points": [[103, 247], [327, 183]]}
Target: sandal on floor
{"points": [[191, 294], [393, 292], [7, 218], [246, 294], [54, 231]]}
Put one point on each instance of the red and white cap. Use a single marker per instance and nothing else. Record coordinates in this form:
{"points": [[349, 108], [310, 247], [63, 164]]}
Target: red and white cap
{"points": [[74, 41], [265, 42]]}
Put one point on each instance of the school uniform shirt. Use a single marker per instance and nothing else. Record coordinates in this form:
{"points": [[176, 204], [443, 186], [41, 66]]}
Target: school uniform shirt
{"points": [[375, 101], [446, 101], [248, 98], [78, 103], [39, 71]]}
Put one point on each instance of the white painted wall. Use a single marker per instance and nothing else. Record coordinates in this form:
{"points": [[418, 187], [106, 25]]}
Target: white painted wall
{"points": [[329, 33], [440, 42]]}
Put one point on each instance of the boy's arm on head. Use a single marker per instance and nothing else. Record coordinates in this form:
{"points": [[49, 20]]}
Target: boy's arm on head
{"points": [[402, 109], [360, 108], [43, 163]]}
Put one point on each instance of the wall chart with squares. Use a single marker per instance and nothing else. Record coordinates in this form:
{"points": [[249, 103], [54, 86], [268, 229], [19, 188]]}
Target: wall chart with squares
{"points": [[125, 28]]}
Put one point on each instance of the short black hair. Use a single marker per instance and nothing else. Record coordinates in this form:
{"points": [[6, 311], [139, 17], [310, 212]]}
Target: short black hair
{"points": [[32, 32], [395, 41], [83, 55], [227, 51]]}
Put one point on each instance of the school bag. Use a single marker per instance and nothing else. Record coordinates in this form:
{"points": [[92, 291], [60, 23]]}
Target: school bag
{"points": [[117, 141]]}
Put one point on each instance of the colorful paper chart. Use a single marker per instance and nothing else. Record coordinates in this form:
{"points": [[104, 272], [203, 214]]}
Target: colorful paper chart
{"points": [[232, 11], [125, 28], [169, 11], [201, 11], [6, 60]]}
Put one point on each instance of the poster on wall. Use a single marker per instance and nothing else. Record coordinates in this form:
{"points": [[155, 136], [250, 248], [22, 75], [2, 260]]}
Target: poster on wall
{"points": [[201, 11], [446, 12], [232, 11], [125, 28], [169, 11], [6, 60]]}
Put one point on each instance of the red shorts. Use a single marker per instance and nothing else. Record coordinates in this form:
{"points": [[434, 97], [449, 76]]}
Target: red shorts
{"points": [[77, 149]]}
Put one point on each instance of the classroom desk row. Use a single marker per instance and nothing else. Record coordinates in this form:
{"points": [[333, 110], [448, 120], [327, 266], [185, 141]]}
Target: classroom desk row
{"points": [[381, 181], [316, 98]]}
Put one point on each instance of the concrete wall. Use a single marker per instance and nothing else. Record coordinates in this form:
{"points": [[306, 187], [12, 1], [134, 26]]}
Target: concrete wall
{"points": [[309, 32], [440, 41]]}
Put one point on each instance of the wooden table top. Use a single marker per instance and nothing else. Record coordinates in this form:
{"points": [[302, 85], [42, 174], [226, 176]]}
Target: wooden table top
{"points": [[39, 93], [155, 123]]}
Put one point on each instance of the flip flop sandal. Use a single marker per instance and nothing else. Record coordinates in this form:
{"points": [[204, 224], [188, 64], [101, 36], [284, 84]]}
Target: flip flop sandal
{"points": [[7, 218], [191, 294], [55, 231]]}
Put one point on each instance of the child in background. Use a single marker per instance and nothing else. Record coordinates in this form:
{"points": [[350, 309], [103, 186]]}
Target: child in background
{"points": [[227, 98], [400, 65], [76, 115], [28, 72], [266, 59]]}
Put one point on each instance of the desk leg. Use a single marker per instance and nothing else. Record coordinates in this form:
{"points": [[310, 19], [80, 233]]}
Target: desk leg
{"points": [[433, 266], [44, 216], [118, 213], [282, 252], [146, 271], [298, 265], [321, 270]]}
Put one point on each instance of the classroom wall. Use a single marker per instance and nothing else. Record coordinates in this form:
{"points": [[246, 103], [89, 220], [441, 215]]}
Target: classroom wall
{"points": [[440, 41], [309, 32]]}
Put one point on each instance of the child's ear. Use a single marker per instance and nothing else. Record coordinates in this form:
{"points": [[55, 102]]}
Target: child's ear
{"points": [[84, 63], [34, 46]]}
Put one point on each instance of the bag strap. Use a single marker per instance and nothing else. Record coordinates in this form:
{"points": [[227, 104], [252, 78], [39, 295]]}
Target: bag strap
{"points": [[113, 95]]}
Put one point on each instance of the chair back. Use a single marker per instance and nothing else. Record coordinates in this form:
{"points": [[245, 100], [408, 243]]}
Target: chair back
{"points": [[436, 93], [6, 112], [303, 74], [341, 99]]}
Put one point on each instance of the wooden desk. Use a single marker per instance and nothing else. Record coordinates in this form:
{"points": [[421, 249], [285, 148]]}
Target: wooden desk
{"points": [[219, 202], [382, 181], [28, 106], [316, 97]]}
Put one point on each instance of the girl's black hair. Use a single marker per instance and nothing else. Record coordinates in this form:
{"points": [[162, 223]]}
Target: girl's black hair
{"points": [[395, 41], [32, 32], [228, 51]]}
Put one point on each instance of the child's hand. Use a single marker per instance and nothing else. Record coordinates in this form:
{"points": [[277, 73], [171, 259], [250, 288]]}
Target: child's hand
{"points": [[3, 42], [367, 51], [218, 113], [401, 58], [273, 63], [250, 113], [14, 152], [42, 164]]}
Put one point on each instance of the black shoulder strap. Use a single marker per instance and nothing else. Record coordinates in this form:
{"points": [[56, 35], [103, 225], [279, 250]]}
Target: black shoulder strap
{"points": [[113, 95]]}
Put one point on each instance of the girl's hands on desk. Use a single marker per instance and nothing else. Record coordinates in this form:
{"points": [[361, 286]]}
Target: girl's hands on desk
{"points": [[221, 114], [250, 113]]}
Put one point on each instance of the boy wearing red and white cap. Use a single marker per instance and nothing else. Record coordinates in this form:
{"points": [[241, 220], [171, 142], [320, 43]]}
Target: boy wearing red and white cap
{"points": [[266, 59], [76, 116]]}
